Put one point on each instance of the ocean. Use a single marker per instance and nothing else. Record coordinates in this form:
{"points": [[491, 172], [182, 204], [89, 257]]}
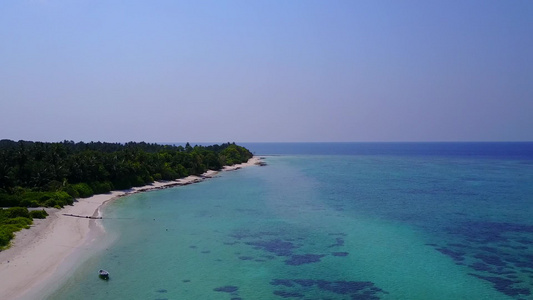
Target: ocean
{"points": [[328, 221]]}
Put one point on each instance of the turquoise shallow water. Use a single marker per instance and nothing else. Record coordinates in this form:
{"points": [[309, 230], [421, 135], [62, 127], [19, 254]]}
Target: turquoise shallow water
{"points": [[325, 227]]}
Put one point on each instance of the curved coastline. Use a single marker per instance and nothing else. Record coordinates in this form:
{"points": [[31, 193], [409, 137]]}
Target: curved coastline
{"points": [[52, 248]]}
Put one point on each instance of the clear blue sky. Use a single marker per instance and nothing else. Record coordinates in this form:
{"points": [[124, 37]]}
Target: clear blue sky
{"points": [[248, 71]]}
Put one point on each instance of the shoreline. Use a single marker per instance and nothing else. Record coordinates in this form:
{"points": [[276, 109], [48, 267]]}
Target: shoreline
{"points": [[52, 246]]}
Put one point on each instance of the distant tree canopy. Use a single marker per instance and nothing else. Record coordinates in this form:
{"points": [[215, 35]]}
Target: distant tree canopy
{"points": [[36, 174]]}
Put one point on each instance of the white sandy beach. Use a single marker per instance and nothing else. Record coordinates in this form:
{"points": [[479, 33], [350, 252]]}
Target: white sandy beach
{"points": [[39, 252]]}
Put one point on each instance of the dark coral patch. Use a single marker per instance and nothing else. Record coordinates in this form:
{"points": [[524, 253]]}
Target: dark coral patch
{"points": [[525, 264], [489, 249], [455, 255], [502, 271], [285, 294], [524, 241], [344, 287], [489, 232], [297, 260], [305, 282], [498, 252], [284, 282], [340, 253], [518, 247], [479, 266], [276, 246], [337, 233], [458, 245], [504, 285], [226, 289], [490, 259], [306, 288], [338, 242], [246, 234], [525, 261]]}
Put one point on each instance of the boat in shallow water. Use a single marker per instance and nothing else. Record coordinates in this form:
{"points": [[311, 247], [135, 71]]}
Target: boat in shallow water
{"points": [[103, 274]]}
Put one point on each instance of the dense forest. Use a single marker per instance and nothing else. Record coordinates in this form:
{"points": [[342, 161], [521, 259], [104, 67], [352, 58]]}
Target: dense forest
{"points": [[36, 174]]}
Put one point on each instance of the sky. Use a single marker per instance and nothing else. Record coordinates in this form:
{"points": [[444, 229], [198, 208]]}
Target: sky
{"points": [[266, 71]]}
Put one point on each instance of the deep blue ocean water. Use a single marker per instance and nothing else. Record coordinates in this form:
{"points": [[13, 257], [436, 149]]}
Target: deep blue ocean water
{"points": [[504, 150], [329, 221]]}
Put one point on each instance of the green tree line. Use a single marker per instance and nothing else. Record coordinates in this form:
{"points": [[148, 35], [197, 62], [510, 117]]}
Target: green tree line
{"points": [[34, 174]]}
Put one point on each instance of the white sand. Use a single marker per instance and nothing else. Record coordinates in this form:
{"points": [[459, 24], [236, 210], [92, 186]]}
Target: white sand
{"points": [[39, 252]]}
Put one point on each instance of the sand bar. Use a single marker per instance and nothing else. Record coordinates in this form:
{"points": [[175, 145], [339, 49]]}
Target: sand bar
{"points": [[39, 252]]}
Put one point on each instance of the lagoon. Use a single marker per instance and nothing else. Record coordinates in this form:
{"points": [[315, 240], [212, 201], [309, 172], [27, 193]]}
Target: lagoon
{"points": [[392, 225]]}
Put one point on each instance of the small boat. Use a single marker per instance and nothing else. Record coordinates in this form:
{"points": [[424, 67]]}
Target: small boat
{"points": [[103, 274]]}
